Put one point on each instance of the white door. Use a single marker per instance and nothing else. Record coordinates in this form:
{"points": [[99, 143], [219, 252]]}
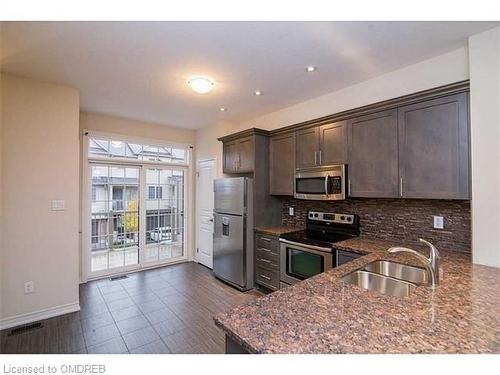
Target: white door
{"points": [[205, 203]]}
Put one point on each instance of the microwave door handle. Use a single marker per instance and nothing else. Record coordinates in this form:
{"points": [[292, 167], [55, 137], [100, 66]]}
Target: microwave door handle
{"points": [[326, 184]]}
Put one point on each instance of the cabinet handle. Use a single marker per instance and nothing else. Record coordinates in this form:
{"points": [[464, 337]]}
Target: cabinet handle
{"points": [[349, 188], [401, 186], [266, 250], [315, 157], [265, 277], [265, 239], [320, 154], [264, 260]]}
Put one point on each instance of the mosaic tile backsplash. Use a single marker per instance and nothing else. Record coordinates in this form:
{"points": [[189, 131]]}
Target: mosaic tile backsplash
{"points": [[400, 220]]}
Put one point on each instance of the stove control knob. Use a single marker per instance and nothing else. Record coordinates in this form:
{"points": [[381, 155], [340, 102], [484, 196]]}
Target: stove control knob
{"points": [[342, 218], [349, 218]]}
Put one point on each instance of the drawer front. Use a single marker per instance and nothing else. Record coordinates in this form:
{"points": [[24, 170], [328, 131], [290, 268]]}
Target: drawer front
{"points": [[262, 252], [267, 260], [268, 278], [267, 242]]}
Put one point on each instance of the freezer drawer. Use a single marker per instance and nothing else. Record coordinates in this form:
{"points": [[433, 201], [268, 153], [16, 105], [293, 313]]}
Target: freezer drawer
{"points": [[231, 195], [229, 248]]}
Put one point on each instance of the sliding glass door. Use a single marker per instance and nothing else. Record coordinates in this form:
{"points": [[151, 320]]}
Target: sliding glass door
{"points": [[164, 214], [115, 203], [136, 206]]}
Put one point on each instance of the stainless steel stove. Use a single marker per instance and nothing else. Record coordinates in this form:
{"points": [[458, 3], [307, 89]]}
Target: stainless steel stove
{"points": [[309, 252]]}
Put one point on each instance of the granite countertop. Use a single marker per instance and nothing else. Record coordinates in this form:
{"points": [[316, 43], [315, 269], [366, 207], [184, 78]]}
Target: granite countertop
{"points": [[277, 230], [322, 315]]}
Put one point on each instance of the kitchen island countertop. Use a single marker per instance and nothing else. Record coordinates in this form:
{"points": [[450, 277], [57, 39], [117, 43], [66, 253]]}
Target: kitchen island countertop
{"points": [[323, 315]]}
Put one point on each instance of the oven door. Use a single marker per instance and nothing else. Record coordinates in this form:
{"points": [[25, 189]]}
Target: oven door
{"points": [[299, 262]]}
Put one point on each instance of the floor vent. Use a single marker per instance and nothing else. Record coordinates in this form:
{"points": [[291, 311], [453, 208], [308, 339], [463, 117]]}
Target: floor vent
{"points": [[114, 278], [25, 328]]}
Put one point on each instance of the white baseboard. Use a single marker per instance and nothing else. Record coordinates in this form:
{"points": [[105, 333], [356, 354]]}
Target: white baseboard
{"points": [[35, 316]]}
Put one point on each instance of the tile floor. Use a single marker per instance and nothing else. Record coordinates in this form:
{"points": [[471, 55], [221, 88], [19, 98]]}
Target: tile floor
{"points": [[165, 310]]}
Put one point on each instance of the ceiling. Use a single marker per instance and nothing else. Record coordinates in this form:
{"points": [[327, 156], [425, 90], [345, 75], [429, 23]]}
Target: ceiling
{"points": [[139, 69]]}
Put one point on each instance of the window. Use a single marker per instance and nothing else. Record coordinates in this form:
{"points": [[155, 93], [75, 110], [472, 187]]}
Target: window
{"points": [[104, 148], [155, 192]]}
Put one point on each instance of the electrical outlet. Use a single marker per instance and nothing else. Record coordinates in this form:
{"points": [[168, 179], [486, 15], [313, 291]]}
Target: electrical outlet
{"points": [[438, 222], [291, 211], [58, 205], [29, 287]]}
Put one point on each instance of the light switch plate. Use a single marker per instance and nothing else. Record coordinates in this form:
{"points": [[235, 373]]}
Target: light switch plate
{"points": [[57, 205], [438, 222], [291, 211]]}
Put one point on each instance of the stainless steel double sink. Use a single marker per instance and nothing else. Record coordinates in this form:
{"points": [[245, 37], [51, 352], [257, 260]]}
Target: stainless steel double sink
{"points": [[390, 278]]}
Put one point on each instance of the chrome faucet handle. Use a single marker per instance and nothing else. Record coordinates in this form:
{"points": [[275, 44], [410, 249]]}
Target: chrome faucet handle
{"points": [[434, 260], [434, 253]]}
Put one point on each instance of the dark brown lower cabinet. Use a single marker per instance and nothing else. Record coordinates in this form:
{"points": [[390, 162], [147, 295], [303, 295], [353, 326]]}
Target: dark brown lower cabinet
{"points": [[267, 264]]}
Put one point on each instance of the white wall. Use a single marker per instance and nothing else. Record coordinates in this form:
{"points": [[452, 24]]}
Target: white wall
{"points": [[484, 55], [40, 162], [438, 71]]}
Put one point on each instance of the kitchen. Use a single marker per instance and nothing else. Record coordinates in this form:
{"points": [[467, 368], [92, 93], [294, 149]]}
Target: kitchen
{"points": [[355, 193], [262, 187]]}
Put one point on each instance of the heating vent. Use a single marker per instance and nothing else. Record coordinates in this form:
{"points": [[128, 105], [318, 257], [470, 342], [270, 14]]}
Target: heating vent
{"points": [[25, 328], [114, 278]]}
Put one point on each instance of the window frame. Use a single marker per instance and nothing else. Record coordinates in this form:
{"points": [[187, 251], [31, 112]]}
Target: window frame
{"points": [[142, 141]]}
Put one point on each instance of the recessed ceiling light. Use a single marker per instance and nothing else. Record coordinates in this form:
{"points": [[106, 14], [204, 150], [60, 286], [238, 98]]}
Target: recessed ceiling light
{"points": [[258, 93], [222, 109], [201, 85], [310, 69]]}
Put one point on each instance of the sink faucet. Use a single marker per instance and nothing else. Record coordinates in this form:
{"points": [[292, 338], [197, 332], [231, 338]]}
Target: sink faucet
{"points": [[431, 263]]}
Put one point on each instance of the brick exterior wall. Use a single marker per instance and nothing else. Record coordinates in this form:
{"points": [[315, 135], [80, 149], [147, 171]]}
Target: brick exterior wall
{"points": [[399, 220]]}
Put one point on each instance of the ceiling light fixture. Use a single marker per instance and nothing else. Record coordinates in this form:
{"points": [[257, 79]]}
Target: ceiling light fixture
{"points": [[201, 85], [222, 109], [258, 93], [310, 69]]}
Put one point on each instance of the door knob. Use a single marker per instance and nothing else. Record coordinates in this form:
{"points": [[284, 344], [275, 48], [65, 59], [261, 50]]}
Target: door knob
{"points": [[211, 220]]}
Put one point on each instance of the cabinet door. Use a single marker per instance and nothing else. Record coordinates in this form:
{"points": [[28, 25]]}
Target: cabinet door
{"points": [[230, 157], [282, 164], [434, 148], [373, 155], [332, 143], [245, 154], [307, 147]]}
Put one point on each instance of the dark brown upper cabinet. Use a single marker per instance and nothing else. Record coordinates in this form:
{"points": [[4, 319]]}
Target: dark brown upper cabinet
{"points": [[230, 155], [373, 155], [434, 148], [238, 155], [282, 164], [307, 147], [333, 143], [321, 145]]}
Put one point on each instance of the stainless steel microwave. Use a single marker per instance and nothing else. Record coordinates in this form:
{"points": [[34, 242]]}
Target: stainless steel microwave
{"points": [[325, 183]]}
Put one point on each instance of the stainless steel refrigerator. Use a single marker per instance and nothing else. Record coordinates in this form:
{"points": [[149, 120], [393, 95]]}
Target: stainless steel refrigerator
{"points": [[233, 231]]}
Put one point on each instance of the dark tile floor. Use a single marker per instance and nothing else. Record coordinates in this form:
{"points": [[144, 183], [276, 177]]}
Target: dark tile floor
{"points": [[165, 310]]}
